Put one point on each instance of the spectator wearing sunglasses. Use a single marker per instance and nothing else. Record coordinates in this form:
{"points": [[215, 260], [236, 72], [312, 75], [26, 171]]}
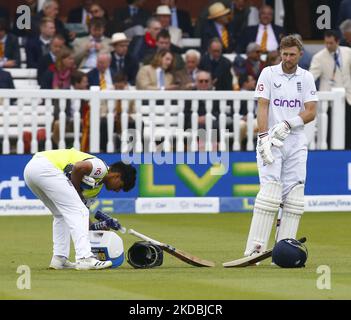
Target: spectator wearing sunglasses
{"points": [[203, 82]]}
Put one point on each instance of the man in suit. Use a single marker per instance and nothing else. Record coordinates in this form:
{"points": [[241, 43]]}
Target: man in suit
{"points": [[121, 61], [51, 9], [218, 26], [219, 66], [252, 65], [87, 48], [142, 46], [6, 81], [203, 82], [40, 46], [81, 14], [56, 45], [179, 18], [266, 34], [332, 66], [163, 14], [131, 16], [102, 74], [163, 42], [240, 12], [186, 77], [9, 48]]}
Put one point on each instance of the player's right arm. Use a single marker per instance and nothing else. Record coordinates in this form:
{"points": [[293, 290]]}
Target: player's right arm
{"points": [[80, 169], [262, 115]]}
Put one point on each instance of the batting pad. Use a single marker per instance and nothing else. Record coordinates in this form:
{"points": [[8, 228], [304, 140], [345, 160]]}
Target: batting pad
{"points": [[292, 212], [266, 206]]}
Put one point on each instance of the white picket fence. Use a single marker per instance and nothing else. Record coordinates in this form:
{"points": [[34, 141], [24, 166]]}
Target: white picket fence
{"points": [[165, 119]]}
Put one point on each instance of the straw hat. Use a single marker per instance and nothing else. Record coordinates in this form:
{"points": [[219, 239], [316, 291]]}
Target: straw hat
{"points": [[119, 37], [163, 10], [217, 10]]}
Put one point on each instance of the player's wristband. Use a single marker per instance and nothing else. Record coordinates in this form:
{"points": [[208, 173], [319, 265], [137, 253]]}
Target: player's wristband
{"points": [[263, 134], [295, 122]]}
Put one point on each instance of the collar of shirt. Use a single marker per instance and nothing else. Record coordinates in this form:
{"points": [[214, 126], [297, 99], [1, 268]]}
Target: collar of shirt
{"points": [[3, 40], [53, 57], [91, 38], [84, 15], [298, 71], [44, 41], [118, 57], [219, 28]]}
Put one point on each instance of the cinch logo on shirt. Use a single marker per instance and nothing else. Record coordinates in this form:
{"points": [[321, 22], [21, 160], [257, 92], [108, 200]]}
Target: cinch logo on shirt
{"points": [[287, 103]]}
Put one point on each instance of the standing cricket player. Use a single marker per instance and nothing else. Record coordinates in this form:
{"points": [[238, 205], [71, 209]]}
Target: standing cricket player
{"points": [[286, 102], [64, 180]]}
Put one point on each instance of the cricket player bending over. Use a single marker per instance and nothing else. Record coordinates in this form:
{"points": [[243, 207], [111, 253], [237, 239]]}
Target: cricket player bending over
{"points": [[64, 180], [286, 102]]}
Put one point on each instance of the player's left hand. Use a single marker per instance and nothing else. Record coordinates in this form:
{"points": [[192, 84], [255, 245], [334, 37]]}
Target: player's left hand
{"points": [[280, 131]]}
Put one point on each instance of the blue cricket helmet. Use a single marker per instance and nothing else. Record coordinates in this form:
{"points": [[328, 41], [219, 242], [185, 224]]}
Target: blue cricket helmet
{"points": [[289, 253]]}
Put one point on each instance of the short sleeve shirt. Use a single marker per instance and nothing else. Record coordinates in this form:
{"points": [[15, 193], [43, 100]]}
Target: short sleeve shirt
{"points": [[287, 93]]}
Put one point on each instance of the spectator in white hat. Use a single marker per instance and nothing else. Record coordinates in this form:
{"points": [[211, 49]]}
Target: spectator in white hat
{"points": [[179, 18], [164, 15], [121, 61]]}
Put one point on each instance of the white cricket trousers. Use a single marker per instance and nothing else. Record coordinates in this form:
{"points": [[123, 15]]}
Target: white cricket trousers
{"points": [[71, 216], [289, 166]]}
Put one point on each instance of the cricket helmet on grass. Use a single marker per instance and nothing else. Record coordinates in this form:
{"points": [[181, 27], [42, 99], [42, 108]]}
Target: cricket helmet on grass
{"points": [[143, 255], [289, 253]]}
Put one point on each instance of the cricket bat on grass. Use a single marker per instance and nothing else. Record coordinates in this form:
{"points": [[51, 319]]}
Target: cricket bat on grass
{"points": [[251, 260], [182, 255]]}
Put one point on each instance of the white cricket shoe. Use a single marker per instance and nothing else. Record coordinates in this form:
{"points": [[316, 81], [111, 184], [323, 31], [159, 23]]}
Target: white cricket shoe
{"points": [[92, 264], [58, 263]]}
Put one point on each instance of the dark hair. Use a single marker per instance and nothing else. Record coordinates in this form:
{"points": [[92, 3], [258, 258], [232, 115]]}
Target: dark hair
{"points": [[97, 23], [77, 77], [120, 77], [332, 33], [59, 37], [157, 58], [163, 34], [243, 77], [128, 174]]}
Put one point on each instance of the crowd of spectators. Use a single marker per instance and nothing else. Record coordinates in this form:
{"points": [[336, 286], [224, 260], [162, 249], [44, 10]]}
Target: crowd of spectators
{"points": [[143, 50]]}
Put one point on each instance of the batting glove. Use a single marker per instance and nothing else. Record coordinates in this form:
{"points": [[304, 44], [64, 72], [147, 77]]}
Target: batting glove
{"points": [[263, 147], [111, 222], [100, 225], [280, 131]]}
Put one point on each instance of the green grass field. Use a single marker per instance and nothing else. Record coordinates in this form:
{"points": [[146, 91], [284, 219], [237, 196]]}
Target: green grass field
{"points": [[221, 237]]}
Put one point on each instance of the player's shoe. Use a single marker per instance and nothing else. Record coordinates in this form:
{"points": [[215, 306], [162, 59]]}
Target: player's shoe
{"points": [[59, 263], [92, 264]]}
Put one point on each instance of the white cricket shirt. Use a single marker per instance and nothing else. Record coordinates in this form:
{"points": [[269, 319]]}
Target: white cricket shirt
{"points": [[286, 93]]}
